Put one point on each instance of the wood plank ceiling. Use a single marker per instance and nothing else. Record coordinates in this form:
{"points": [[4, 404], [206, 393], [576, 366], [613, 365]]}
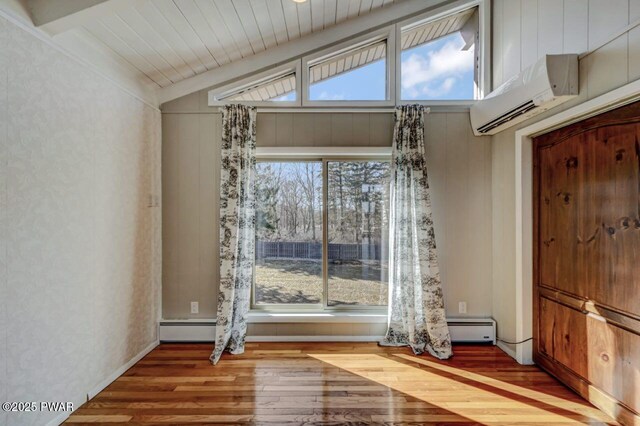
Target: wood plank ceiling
{"points": [[171, 40]]}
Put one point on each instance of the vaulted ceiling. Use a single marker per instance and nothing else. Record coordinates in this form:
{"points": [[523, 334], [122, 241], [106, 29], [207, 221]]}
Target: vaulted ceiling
{"points": [[170, 40], [174, 46]]}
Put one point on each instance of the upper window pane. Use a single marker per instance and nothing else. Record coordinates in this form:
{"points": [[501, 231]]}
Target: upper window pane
{"points": [[276, 90], [438, 59], [358, 227], [356, 75], [288, 233]]}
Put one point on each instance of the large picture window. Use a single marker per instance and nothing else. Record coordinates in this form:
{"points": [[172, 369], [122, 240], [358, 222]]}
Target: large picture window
{"points": [[288, 233], [321, 234]]}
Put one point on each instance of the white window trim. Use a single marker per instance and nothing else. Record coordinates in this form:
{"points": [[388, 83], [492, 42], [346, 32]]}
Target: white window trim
{"points": [[293, 66], [388, 34], [300, 154], [294, 152], [484, 46], [484, 31], [353, 316]]}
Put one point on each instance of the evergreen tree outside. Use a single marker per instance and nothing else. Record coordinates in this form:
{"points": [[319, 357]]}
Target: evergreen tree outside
{"points": [[289, 231]]}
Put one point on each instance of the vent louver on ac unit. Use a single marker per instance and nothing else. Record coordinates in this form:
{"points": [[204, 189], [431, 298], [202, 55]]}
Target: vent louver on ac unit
{"points": [[508, 116], [547, 83]]}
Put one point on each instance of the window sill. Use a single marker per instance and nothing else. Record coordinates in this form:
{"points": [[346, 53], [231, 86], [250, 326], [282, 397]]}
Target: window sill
{"points": [[297, 317], [317, 317]]}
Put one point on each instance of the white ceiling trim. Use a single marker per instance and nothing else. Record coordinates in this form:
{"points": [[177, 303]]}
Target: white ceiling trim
{"points": [[302, 46], [55, 17]]}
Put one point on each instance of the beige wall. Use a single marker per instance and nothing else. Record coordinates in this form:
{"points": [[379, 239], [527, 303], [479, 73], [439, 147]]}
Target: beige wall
{"points": [[459, 169], [523, 31], [79, 253]]}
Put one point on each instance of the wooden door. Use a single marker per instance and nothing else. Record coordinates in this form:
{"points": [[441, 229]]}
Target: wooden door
{"points": [[587, 258]]}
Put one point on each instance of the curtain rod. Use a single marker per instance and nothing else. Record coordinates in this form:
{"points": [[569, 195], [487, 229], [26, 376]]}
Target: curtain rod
{"points": [[329, 110]]}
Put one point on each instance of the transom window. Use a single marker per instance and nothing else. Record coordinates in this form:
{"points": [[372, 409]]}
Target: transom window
{"points": [[321, 234], [278, 89], [441, 57], [438, 58], [278, 86], [359, 74]]}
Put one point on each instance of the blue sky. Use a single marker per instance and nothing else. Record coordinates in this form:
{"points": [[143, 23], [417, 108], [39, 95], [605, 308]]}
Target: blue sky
{"points": [[438, 70], [362, 84]]}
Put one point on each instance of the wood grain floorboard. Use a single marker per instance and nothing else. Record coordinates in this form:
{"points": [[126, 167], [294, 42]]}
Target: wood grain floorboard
{"points": [[334, 384]]}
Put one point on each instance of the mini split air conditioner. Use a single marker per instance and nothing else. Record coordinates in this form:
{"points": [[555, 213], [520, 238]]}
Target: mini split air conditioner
{"points": [[552, 80]]}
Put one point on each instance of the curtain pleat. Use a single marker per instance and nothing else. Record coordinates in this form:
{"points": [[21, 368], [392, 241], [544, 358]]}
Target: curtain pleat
{"points": [[416, 304], [237, 228]]}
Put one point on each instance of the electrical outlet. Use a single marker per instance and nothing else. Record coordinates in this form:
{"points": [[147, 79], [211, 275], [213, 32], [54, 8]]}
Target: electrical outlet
{"points": [[462, 307], [194, 307]]}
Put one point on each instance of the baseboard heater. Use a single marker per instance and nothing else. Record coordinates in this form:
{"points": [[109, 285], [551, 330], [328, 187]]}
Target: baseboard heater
{"points": [[463, 330], [472, 330]]}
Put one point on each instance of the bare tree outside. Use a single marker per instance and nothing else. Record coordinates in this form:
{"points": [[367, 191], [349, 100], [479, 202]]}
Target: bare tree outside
{"points": [[289, 232], [357, 222]]}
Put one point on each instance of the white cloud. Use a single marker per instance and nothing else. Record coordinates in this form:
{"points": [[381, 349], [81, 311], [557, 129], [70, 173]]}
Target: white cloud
{"points": [[442, 89], [325, 96], [447, 62]]}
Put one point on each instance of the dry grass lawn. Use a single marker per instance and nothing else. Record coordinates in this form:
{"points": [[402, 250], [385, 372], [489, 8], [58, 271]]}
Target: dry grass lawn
{"points": [[300, 281]]}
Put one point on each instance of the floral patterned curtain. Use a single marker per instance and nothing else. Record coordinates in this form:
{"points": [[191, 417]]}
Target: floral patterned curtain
{"points": [[237, 228], [416, 305]]}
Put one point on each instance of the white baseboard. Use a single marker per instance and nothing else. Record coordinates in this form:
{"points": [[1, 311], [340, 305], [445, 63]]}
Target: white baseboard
{"points": [[103, 384], [120, 371], [64, 415], [463, 330], [526, 354], [205, 333], [506, 349]]}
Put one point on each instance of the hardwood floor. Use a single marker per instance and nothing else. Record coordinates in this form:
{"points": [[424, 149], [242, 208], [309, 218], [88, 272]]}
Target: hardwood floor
{"points": [[334, 384]]}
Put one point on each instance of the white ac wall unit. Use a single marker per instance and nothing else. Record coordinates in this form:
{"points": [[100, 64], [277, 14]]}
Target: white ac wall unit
{"points": [[552, 80]]}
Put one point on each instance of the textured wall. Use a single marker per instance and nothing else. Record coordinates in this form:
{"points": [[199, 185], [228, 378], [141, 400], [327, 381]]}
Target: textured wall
{"points": [[79, 254], [524, 30], [459, 169], [4, 60]]}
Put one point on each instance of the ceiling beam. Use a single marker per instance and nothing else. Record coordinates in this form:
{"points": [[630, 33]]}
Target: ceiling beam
{"points": [[55, 17], [303, 46]]}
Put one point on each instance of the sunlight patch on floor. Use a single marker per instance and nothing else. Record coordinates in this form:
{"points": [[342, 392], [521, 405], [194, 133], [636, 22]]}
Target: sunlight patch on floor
{"points": [[469, 395]]}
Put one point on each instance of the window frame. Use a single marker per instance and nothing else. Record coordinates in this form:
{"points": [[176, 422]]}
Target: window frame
{"points": [[323, 306], [392, 33], [387, 34], [483, 53], [230, 88]]}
